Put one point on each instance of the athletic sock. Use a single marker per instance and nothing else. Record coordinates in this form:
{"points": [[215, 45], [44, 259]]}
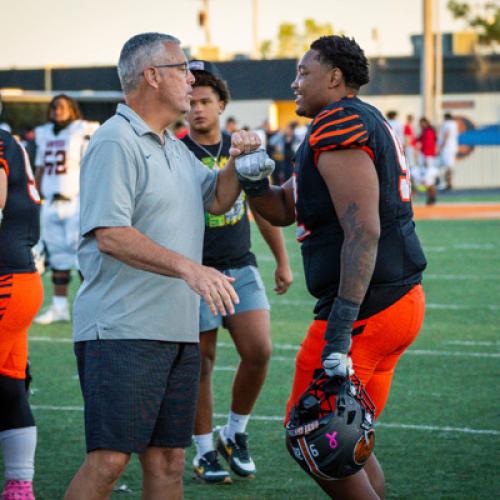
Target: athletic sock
{"points": [[18, 446], [60, 302], [204, 443], [235, 424]]}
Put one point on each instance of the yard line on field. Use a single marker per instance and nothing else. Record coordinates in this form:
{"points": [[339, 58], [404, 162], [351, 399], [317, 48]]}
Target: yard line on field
{"points": [[425, 352], [56, 408], [472, 342], [291, 347], [416, 352], [279, 418], [451, 307], [463, 307], [462, 277], [465, 430], [51, 339]]}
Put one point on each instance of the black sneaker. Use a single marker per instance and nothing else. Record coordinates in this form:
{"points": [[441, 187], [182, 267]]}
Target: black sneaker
{"points": [[209, 470], [236, 454]]}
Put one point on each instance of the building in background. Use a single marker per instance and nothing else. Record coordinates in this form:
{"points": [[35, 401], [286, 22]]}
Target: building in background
{"points": [[261, 91]]}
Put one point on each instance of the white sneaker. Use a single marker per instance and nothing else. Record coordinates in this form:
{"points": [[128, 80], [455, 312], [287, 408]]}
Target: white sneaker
{"points": [[236, 453], [51, 315]]}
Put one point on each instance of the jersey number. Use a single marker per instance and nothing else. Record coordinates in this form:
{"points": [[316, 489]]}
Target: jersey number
{"points": [[55, 162], [404, 179]]}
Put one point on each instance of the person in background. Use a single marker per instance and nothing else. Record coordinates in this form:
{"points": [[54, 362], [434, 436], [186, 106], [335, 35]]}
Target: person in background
{"points": [[180, 129], [20, 299], [410, 142], [448, 148], [429, 173], [231, 125], [60, 146], [227, 248], [392, 120]]}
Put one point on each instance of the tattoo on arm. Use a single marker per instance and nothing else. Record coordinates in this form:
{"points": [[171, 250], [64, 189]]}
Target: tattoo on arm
{"points": [[358, 255]]}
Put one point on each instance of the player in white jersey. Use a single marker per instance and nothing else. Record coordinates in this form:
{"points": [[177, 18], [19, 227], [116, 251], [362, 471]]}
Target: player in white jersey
{"points": [[61, 144], [448, 147]]}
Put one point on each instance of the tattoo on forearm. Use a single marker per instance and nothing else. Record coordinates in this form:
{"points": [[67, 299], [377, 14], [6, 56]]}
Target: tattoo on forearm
{"points": [[357, 260]]}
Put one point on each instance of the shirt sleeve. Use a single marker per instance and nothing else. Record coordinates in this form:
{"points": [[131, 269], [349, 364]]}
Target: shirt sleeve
{"points": [[107, 187], [338, 128]]}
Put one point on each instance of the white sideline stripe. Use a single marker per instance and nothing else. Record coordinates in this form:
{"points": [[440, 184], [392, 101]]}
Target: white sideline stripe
{"points": [[424, 352], [451, 307], [417, 352], [276, 418], [462, 277], [50, 339], [472, 342], [290, 347]]}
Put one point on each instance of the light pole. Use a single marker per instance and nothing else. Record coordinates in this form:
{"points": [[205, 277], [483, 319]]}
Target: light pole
{"points": [[427, 74]]}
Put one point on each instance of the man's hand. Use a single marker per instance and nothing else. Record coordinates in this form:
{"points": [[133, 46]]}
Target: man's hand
{"points": [[243, 142], [215, 288], [336, 364], [283, 278], [254, 166]]}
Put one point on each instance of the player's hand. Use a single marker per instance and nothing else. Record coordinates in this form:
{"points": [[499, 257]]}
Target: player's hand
{"points": [[215, 288], [243, 142], [336, 364], [254, 166], [283, 277]]}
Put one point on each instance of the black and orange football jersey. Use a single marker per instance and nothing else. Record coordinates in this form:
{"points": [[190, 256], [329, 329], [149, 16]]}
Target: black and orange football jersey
{"points": [[352, 123], [20, 226]]}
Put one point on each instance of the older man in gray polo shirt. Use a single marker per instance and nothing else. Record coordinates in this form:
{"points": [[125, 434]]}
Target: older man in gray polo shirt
{"points": [[143, 196]]}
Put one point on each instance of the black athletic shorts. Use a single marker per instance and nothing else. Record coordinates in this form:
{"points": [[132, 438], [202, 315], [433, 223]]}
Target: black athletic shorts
{"points": [[138, 393]]}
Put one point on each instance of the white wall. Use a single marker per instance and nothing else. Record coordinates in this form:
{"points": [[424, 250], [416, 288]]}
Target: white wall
{"points": [[251, 113], [485, 110], [481, 169]]}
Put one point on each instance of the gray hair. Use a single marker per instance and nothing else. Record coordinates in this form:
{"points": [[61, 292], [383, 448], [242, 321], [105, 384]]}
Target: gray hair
{"points": [[137, 53]]}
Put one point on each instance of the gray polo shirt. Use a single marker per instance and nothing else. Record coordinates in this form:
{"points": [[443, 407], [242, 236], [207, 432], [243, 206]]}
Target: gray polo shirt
{"points": [[130, 179]]}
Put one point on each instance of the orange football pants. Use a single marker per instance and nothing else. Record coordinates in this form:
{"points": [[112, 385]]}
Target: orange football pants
{"points": [[21, 296], [375, 352]]}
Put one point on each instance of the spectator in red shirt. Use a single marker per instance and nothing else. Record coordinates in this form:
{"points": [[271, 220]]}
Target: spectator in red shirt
{"points": [[428, 151]]}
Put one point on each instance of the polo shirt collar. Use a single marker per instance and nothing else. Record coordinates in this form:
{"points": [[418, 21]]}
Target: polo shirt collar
{"points": [[139, 126]]}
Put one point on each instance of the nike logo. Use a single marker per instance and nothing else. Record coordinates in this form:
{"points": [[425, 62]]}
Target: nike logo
{"points": [[148, 156]]}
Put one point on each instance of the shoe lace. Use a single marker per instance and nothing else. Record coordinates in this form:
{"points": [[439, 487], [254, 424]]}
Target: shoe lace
{"points": [[241, 442], [212, 460]]}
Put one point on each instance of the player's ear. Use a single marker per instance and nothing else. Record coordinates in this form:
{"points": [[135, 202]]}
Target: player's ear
{"points": [[335, 78], [222, 107]]}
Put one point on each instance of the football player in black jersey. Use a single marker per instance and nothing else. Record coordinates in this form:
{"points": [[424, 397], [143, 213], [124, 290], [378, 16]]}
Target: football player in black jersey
{"points": [[350, 198], [21, 296], [227, 248]]}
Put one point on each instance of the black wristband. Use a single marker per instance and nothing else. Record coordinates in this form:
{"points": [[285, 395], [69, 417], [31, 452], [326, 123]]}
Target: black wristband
{"points": [[338, 331], [254, 188]]}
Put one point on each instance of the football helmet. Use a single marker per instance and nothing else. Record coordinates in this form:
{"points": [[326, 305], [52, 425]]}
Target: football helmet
{"points": [[332, 440]]}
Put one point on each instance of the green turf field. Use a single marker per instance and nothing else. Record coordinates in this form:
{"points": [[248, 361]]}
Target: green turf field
{"points": [[438, 438]]}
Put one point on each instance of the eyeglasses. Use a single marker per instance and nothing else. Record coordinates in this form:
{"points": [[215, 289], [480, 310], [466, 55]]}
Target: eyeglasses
{"points": [[184, 67]]}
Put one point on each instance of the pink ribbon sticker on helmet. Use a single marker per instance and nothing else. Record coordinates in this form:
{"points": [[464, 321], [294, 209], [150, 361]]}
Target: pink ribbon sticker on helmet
{"points": [[332, 440]]}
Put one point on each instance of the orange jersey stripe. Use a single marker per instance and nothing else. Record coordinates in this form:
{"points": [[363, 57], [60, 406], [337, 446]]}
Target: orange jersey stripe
{"points": [[326, 113], [314, 140], [353, 138], [335, 122]]}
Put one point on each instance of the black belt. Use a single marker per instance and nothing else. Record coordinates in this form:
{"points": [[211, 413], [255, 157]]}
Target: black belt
{"points": [[60, 197]]}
